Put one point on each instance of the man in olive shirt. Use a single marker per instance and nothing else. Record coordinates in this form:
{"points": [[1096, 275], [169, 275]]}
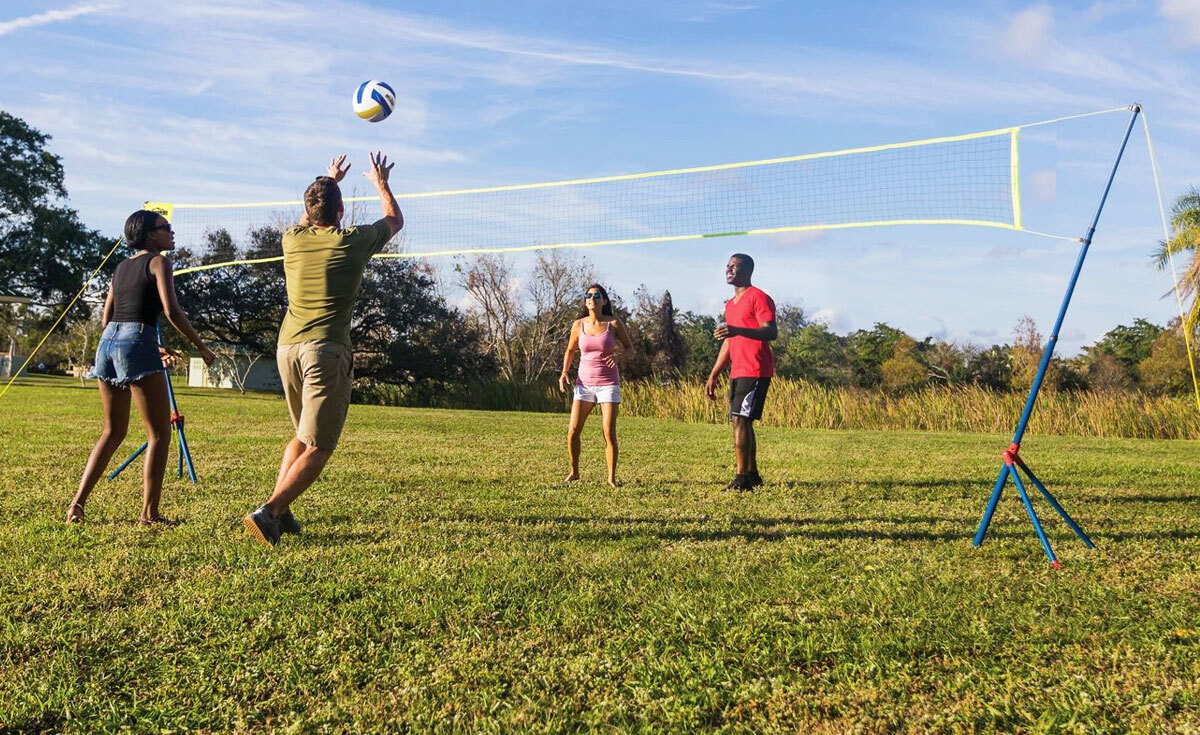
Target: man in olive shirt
{"points": [[323, 265]]}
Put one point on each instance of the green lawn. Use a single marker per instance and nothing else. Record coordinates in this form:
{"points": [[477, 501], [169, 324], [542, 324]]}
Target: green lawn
{"points": [[446, 581]]}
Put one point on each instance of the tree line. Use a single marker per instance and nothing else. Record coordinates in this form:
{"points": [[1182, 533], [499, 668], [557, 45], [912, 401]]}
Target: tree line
{"points": [[514, 324]]}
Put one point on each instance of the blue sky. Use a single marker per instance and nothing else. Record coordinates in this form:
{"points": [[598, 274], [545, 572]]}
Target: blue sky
{"points": [[209, 101]]}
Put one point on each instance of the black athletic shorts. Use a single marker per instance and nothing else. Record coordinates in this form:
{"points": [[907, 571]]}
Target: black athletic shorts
{"points": [[746, 397]]}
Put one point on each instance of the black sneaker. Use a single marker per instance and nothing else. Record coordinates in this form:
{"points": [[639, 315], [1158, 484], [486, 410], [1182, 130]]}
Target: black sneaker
{"points": [[262, 527], [739, 483], [288, 523], [754, 479]]}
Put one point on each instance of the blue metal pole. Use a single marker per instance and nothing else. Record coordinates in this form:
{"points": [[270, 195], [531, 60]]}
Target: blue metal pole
{"points": [[1061, 511], [1037, 525], [184, 454], [992, 501], [113, 475], [1062, 311], [1040, 377]]}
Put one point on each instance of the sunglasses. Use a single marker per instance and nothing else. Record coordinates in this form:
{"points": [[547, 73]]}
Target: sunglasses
{"points": [[592, 296]]}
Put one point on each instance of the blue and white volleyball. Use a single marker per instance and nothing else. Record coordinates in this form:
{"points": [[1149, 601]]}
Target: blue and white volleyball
{"points": [[374, 100]]}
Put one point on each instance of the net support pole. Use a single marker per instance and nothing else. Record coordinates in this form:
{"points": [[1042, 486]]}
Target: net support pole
{"points": [[185, 454], [1012, 458]]}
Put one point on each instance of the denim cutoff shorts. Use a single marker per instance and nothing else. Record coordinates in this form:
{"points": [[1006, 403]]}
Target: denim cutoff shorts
{"points": [[128, 352]]}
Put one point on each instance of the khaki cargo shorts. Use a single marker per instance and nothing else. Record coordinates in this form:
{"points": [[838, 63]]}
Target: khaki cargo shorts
{"points": [[316, 380]]}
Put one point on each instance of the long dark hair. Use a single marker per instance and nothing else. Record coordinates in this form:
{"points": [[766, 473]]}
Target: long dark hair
{"points": [[607, 310], [138, 227]]}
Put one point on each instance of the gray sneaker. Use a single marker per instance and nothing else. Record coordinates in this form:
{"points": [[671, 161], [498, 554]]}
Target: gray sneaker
{"points": [[288, 523], [262, 527]]}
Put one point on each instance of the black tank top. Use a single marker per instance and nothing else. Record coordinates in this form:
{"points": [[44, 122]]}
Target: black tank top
{"points": [[135, 293]]}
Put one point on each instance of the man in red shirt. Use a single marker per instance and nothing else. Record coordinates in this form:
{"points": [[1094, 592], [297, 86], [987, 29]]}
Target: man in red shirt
{"points": [[746, 343]]}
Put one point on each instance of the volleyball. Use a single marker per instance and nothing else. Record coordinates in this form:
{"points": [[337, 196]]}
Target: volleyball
{"points": [[374, 100]]}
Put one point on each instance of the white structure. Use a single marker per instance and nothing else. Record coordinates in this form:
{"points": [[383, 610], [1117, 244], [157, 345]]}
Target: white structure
{"points": [[262, 375]]}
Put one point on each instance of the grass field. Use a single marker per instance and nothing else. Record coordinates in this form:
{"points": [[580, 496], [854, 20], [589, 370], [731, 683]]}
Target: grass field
{"points": [[446, 581]]}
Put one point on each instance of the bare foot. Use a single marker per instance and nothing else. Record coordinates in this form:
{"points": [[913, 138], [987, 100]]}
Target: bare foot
{"points": [[573, 477], [74, 513], [612, 482]]}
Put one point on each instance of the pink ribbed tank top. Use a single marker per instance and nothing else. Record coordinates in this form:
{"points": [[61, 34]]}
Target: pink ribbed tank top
{"points": [[593, 371]]}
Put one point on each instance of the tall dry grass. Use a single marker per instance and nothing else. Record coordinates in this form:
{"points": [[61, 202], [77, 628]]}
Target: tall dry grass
{"points": [[798, 404]]}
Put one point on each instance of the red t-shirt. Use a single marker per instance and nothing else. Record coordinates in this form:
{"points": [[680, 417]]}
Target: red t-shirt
{"points": [[751, 358]]}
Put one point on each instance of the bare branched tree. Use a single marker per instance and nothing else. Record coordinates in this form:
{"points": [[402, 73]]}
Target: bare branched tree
{"points": [[526, 327], [489, 283], [236, 364]]}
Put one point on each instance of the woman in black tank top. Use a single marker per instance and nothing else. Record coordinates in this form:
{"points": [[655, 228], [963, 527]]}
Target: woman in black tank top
{"points": [[129, 360]]}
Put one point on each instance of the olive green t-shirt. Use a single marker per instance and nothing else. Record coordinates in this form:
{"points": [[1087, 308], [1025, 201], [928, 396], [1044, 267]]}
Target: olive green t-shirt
{"points": [[323, 267]]}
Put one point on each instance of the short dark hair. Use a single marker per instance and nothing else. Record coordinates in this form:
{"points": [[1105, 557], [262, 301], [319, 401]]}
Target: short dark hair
{"points": [[746, 261], [322, 200], [138, 227]]}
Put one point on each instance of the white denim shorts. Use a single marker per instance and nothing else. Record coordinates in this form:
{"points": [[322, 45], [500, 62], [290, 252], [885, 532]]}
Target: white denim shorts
{"points": [[598, 393]]}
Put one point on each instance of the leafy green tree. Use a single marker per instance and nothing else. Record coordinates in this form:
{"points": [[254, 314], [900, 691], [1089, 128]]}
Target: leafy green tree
{"points": [[1128, 345], [46, 253], [991, 368], [1166, 370], [868, 350], [700, 349], [816, 354], [903, 371], [1185, 221]]}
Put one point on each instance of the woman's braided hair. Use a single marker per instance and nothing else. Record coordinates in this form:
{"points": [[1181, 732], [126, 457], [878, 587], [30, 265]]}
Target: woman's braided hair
{"points": [[138, 227], [322, 200]]}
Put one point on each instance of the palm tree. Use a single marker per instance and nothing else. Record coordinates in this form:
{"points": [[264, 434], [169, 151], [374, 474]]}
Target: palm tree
{"points": [[1185, 220]]}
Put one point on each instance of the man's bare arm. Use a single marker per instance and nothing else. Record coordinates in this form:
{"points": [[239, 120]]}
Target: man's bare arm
{"points": [[378, 175]]}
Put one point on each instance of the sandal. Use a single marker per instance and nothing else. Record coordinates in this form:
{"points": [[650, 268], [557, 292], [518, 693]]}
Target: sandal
{"points": [[72, 516]]}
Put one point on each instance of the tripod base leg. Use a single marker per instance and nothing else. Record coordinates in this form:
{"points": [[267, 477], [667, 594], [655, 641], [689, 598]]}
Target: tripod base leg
{"points": [[1054, 504], [137, 453]]}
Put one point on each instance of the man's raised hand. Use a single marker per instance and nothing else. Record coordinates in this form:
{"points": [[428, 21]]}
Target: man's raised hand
{"points": [[336, 170], [380, 169]]}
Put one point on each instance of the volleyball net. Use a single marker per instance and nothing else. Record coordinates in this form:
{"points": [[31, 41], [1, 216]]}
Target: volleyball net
{"points": [[971, 179]]}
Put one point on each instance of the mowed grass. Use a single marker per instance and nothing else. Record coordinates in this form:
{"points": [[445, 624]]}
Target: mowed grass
{"points": [[447, 582]]}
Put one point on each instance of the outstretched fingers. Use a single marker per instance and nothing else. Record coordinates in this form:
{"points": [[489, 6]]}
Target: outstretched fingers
{"points": [[336, 170]]}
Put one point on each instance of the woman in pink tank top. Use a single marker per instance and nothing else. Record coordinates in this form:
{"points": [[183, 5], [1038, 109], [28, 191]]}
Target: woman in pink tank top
{"points": [[596, 333]]}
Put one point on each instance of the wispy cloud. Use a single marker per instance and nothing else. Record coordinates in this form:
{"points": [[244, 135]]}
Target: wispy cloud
{"points": [[54, 16], [1184, 16], [712, 10], [1028, 33]]}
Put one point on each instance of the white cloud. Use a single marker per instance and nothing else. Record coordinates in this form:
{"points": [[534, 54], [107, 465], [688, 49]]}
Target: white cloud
{"points": [[1028, 33], [1184, 16], [1105, 9], [797, 239], [1043, 186], [54, 16], [833, 318], [713, 10]]}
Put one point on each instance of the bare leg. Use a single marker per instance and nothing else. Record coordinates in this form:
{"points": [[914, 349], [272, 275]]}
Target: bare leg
{"points": [[752, 448], [291, 453], [302, 473], [608, 412], [116, 423], [579, 414], [150, 395], [741, 443]]}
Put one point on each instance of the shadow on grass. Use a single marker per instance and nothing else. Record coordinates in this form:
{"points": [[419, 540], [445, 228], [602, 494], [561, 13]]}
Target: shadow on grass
{"points": [[1151, 499], [616, 528]]}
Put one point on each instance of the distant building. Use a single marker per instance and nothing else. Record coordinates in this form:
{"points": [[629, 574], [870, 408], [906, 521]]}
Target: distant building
{"points": [[262, 375]]}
